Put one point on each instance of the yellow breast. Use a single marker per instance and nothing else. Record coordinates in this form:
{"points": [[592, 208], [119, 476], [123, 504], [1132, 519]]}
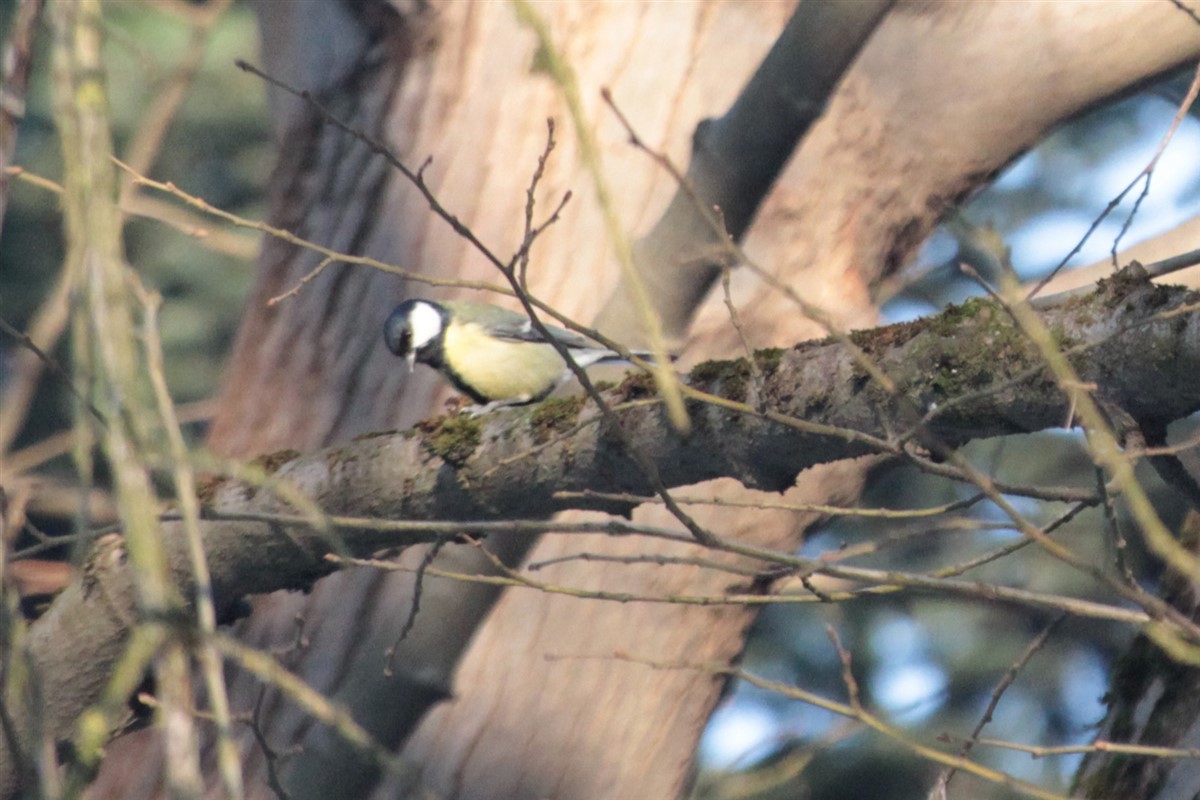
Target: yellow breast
{"points": [[499, 369]]}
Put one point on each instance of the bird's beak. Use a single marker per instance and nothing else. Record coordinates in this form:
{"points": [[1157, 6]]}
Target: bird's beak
{"points": [[411, 358]]}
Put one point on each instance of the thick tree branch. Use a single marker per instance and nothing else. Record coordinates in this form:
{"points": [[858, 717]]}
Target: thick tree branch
{"points": [[737, 157], [967, 373]]}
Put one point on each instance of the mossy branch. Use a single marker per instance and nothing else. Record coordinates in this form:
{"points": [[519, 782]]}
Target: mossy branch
{"points": [[965, 374]]}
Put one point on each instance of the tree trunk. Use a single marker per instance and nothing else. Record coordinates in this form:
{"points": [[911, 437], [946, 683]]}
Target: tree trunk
{"points": [[941, 98], [1153, 701]]}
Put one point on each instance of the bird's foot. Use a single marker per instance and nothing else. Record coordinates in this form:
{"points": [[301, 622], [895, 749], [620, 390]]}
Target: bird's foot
{"points": [[487, 408]]}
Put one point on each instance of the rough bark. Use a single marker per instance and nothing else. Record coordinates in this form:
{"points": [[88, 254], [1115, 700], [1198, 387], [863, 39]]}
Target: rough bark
{"points": [[1152, 702], [512, 464], [941, 98]]}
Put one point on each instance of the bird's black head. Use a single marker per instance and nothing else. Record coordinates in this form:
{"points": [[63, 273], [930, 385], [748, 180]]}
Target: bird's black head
{"points": [[414, 329]]}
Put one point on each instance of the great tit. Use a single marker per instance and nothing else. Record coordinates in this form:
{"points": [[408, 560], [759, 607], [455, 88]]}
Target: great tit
{"points": [[493, 355]]}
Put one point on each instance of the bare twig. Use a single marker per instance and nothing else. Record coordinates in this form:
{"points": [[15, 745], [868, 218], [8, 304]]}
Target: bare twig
{"points": [[184, 476], [1144, 175], [1009, 678], [564, 77], [852, 711], [270, 755], [883, 582], [272, 673], [732, 252]]}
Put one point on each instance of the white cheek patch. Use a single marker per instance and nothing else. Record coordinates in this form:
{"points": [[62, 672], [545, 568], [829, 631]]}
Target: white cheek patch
{"points": [[426, 324]]}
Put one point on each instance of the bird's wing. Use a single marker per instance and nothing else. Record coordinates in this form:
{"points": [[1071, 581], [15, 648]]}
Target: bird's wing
{"points": [[525, 332], [513, 326]]}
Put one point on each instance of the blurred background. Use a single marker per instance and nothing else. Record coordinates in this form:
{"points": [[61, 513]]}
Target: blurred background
{"points": [[929, 665]]}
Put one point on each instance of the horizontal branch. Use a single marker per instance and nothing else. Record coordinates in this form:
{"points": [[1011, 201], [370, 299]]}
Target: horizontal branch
{"points": [[964, 374]]}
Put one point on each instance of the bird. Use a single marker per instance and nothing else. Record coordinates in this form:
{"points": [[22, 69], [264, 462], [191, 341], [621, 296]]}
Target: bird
{"points": [[492, 355]]}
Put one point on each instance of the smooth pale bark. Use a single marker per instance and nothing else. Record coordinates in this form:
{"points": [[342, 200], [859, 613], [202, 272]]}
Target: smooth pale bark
{"points": [[942, 97]]}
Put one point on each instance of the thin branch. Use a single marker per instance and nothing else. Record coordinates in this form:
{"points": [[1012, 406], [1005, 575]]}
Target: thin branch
{"points": [[1148, 173], [403, 477], [650, 321], [272, 673], [1185, 8], [229, 765], [885, 582], [1010, 677], [291, 238], [1144, 175], [270, 755], [50, 330], [729, 253], [851, 711], [152, 128], [224, 241], [806, 508]]}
